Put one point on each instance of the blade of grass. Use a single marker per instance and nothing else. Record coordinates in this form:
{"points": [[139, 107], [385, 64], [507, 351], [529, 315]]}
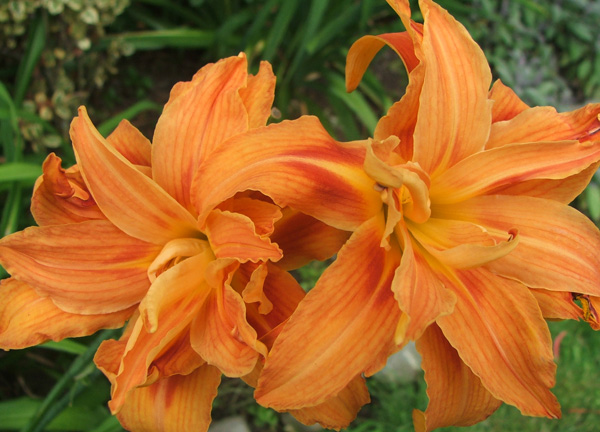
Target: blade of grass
{"points": [[144, 105], [66, 345], [158, 39], [46, 411], [12, 210], [280, 26], [35, 45], [20, 171]]}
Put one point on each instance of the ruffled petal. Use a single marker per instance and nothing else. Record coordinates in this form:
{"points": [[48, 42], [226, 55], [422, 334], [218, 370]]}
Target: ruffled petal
{"points": [[258, 95], [558, 246], [174, 404], [454, 94], [61, 196], [131, 143], [220, 332], [297, 164], [262, 213], [545, 124], [198, 117], [345, 325], [165, 316], [233, 235], [87, 268], [421, 296], [499, 332], [26, 319], [363, 51], [303, 239], [487, 171], [557, 304], [456, 395], [128, 198]]}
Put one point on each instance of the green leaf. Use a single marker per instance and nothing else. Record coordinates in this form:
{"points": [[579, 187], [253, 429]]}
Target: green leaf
{"points": [[144, 105], [66, 345], [20, 171], [158, 39], [35, 45], [592, 199], [280, 26]]}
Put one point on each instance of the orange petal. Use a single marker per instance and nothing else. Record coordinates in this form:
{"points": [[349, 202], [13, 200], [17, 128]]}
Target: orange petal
{"points": [[454, 93], [339, 411], [303, 238], [511, 164], [545, 124], [420, 295], [198, 117], [131, 143], [61, 196], [26, 319], [456, 396], [220, 332], [233, 235], [363, 51], [254, 292], [178, 358], [258, 95], [343, 327], [559, 254], [513, 351], [174, 404], [88, 268], [128, 198], [165, 315], [506, 103], [282, 291], [557, 304], [297, 164], [262, 213]]}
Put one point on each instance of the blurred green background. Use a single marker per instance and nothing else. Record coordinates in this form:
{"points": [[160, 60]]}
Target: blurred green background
{"points": [[121, 57]]}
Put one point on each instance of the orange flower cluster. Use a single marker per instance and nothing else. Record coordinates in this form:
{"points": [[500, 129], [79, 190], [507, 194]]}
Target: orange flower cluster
{"points": [[451, 227]]}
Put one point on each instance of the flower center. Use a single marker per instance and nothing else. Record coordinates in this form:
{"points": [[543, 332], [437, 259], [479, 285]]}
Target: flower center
{"points": [[173, 253]]}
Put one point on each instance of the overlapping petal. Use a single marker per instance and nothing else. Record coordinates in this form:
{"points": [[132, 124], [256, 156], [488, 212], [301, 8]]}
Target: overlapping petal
{"points": [[27, 319], [345, 325], [187, 130], [297, 164], [560, 254], [495, 313], [456, 395], [108, 175], [75, 262], [173, 404]]}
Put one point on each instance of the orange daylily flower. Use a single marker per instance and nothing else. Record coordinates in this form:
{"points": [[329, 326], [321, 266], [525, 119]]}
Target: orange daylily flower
{"points": [[462, 237], [119, 239]]}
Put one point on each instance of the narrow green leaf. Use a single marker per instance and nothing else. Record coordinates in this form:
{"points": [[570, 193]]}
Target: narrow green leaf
{"points": [[280, 26], [35, 45], [68, 346], [12, 210], [592, 199], [20, 171], [144, 105], [111, 424], [158, 39]]}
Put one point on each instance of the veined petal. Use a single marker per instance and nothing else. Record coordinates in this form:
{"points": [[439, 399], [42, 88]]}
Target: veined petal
{"points": [[165, 316], [262, 213], [220, 332], [345, 325], [131, 143], [297, 164], [420, 295], [258, 95], [198, 117], [363, 51], [557, 304], [506, 102], [303, 238], [86, 268], [545, 124], [560, 254], [61, 196], [511, 164], [233, 235], [128, 198], [454, 93], [339, 411], [173, 404], [26, 319], [513, 351], [456, 395]]}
